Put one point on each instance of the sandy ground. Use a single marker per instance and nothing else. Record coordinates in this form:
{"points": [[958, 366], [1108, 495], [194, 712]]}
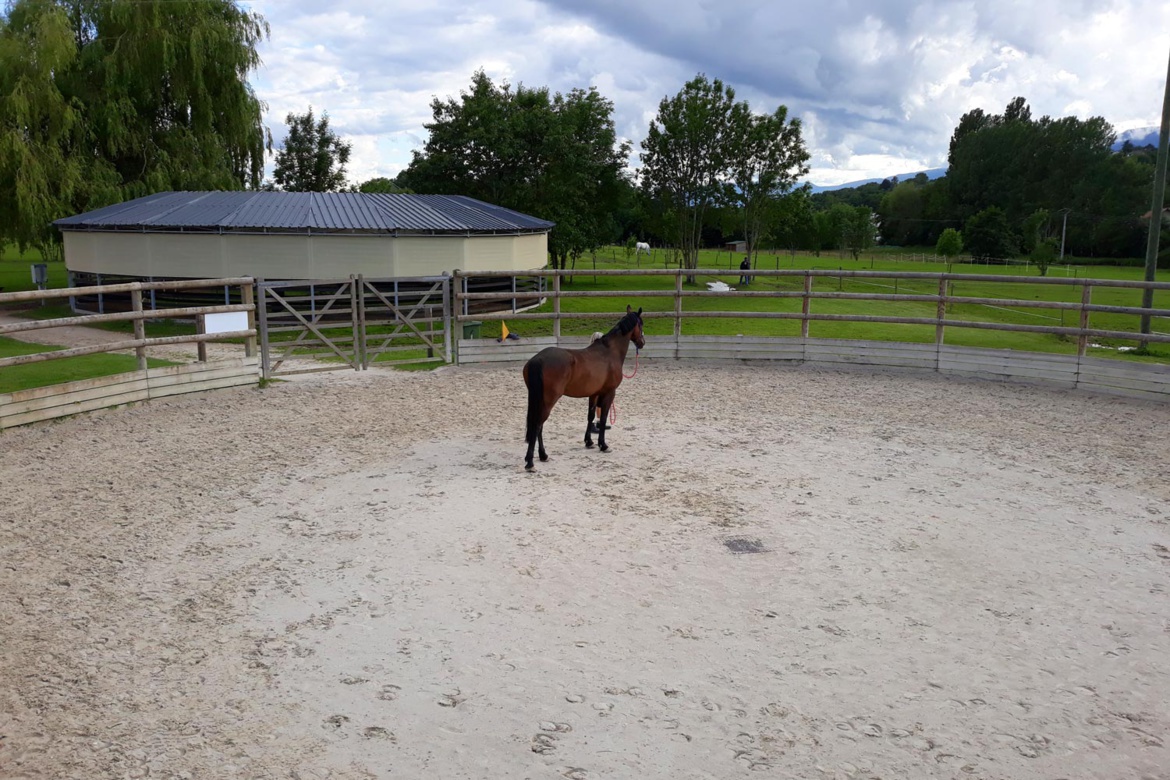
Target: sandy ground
{"points": [[777, 572]]}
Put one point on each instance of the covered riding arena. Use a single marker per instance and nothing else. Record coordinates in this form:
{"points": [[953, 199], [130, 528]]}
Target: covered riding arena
{"points": [[777, 571]]}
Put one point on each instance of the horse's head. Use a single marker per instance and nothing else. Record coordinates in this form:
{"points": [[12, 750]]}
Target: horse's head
{"points": [[632, 324]]}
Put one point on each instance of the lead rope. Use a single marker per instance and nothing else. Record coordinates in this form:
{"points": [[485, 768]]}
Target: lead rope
{"points": [[637, 352], [613, 406]]}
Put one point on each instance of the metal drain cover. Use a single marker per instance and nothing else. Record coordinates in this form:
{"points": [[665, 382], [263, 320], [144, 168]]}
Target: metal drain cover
{"points": [[743, 546]]}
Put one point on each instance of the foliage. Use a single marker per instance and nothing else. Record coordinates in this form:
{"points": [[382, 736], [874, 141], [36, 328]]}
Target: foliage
{"points": [[555, 157], [1043, 254], [858, 230], [687, 155], [312, 157], [102, 101], [792, 223], [950, 243], [766, 157], [383, 185], [914, 212], [1022, 165], [1035, 230], [988, 236]]}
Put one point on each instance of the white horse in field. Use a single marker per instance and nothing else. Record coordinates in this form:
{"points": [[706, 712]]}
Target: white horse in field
{"points": [[640, 247]]}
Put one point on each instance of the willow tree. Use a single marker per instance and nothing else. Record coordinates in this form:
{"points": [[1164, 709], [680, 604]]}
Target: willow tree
{"points": [[106, 100]]}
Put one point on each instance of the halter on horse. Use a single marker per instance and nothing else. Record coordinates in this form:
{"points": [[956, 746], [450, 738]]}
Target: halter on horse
{"points": [[594, 373]]}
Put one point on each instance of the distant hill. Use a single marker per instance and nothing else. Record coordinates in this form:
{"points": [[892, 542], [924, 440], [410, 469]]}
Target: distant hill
{"points": [[933, 173], [1142, 136]]}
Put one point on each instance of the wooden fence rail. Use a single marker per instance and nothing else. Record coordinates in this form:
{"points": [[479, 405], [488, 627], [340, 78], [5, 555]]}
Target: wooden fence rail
{"points": [[942, 299], [45, 403], [138, 316], [1139, 380]]}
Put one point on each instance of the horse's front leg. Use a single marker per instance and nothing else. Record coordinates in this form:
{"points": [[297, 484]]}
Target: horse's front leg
{"points": [[606, 401], [589, 422]]}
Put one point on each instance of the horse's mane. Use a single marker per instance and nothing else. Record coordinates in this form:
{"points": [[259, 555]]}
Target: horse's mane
{"points": [[624, 326]]}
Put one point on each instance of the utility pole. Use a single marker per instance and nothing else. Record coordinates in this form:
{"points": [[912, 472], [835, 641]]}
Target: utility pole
{"points": [[1157, 203]]}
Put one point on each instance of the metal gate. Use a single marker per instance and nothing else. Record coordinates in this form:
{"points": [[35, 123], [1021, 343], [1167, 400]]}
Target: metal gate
{"points": [[332, 324]]}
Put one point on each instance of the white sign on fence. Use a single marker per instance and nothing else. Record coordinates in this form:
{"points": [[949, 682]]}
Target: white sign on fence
{"points": [[226, 322]]}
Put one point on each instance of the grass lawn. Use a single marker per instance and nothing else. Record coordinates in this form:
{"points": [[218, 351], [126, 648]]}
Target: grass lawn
{"points": [[16, 271], [52, 372]]}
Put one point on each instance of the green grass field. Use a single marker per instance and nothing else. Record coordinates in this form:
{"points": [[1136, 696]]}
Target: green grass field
{"points": [[16, 270]]}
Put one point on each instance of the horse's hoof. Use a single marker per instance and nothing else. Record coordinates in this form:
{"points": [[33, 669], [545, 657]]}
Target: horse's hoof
{"points": [[603, 447], [588, 445], [529, 467], [543, 457]]}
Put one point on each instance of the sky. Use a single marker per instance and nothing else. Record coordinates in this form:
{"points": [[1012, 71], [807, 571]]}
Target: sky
{"points": [[878, 85]]}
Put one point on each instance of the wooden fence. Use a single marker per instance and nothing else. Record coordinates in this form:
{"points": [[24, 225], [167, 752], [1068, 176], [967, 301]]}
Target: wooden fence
{"points": [[45, 403], [1143, 380]]}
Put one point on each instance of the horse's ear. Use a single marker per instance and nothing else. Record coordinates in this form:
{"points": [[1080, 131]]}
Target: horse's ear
{"points": [[628, 309], [639, 311]]}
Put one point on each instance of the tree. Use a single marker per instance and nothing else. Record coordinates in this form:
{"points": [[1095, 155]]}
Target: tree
{"points": [[382, 184], [312, 158], [767, 155], [1035, 230], [901, 213], [858, 230], [950, 243], [793, 227], [555, 157], [102, 101], [988, 236], [583, 174], [1043, 254], [687, 153]]}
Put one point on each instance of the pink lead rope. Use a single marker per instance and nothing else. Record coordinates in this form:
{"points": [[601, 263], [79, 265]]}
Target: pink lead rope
{"points": [[637, 352], [613, 406]]}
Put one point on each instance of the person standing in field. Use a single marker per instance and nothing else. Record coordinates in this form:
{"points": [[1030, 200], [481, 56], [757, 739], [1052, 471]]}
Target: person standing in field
{"points": [[746, 265]]}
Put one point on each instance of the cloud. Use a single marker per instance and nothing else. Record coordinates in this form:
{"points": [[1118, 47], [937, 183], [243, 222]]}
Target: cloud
{"points": [[875, 83]]}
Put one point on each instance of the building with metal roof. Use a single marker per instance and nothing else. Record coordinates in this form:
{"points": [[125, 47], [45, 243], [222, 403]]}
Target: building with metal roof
{"points": [[299, 235]]}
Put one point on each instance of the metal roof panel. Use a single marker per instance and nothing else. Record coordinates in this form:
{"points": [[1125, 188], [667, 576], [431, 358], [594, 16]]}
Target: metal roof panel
{"points": [[306, 212]]}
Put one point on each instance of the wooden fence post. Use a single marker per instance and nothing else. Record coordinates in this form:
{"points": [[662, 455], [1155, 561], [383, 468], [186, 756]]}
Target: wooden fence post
{"points": [[1083, 338], [804, 305], [139, 328], [201, 329], [942, 310], [357, 305], [248, 296], [262, 314], [678, 286], [557, 306]]}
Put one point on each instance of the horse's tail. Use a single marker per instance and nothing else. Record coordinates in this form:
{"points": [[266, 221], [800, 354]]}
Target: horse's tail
{"points": [[535, 399]]}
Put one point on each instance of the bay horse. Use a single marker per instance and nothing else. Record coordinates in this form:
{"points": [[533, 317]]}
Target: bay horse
{"points": [[594, 373]]}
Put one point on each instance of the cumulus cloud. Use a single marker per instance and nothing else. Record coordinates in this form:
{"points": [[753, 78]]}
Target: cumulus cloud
{"points": [[879, 85]]}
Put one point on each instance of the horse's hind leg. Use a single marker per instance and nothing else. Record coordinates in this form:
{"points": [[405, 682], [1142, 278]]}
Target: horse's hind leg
{"points": [[540, 442]]}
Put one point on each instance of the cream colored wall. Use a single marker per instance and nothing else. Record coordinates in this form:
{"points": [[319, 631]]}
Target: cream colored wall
{"points": [[191, 255], [427, 256]]}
